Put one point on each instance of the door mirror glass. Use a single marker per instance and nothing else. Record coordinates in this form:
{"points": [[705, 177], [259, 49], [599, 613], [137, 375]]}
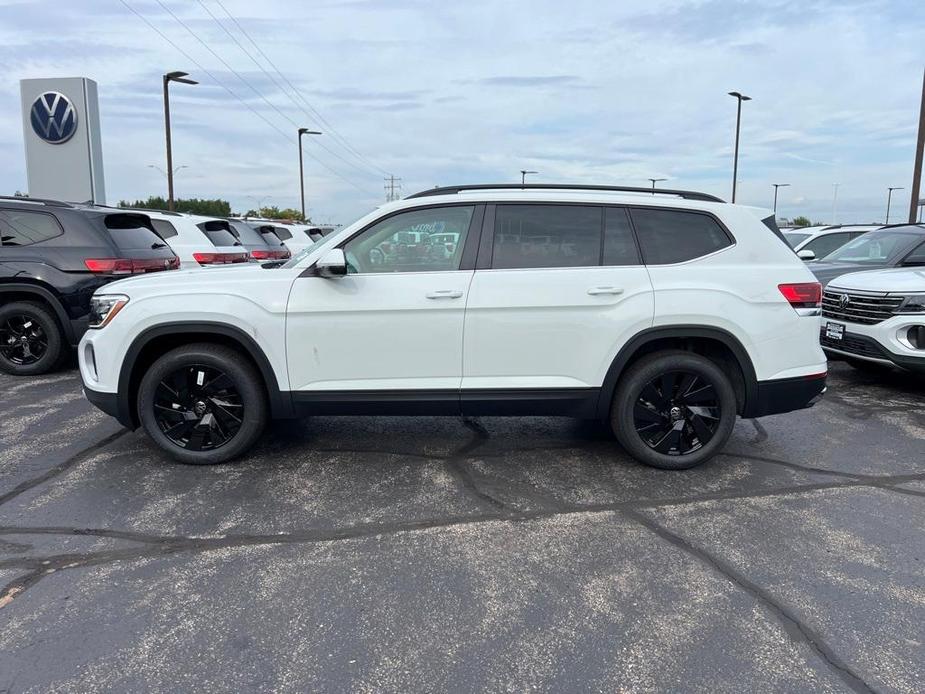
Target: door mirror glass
{"points": [[332, 264], [806, 255]]}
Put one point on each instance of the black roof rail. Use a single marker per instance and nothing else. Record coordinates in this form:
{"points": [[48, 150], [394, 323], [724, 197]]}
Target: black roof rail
{"points": [[39, 201], [450, 190]]}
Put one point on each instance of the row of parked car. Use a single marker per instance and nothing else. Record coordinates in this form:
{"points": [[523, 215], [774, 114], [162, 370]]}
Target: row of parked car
{"points": [[54, 255], [874, 292]]}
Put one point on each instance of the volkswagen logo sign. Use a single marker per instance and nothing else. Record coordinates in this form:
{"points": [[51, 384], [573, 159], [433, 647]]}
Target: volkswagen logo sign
{"points": [[54, 118], [843, 301]]}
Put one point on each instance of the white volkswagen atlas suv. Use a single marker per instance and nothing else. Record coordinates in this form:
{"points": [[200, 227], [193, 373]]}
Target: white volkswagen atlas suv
{"points": [[876, 319], [665, 314]]}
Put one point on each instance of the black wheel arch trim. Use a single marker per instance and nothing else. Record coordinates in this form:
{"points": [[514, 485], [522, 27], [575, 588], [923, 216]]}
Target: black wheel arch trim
{"points": [[648, 335], [64, 321], [280, 400]]}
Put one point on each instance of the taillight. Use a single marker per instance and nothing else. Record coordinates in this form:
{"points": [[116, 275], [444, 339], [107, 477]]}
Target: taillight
{"points": [[270, 255], [802, 294], [220, 258], [130, 266]]}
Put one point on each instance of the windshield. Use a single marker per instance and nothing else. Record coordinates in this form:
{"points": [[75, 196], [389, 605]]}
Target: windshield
{"points": [[794, 239], [874, 248]]}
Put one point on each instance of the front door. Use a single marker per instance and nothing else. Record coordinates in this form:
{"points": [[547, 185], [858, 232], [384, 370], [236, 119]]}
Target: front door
{"points": [[392, 327]]}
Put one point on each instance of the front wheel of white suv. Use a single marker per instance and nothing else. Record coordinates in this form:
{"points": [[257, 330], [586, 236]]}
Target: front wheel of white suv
{"points": [[673, 410], [202, 404]]}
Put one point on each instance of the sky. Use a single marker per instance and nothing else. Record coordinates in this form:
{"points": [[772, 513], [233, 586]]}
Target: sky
{"points": [[441, 93]]}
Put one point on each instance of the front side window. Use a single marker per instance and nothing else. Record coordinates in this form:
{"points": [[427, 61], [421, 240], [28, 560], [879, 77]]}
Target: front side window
{"points": [[674, 236], [873, 248], [544, 236], [23, 228], [823, 245], [428, 240]]}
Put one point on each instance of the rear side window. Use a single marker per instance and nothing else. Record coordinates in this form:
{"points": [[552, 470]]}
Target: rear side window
{"points": [[217, 232], [674, 236], [542, 236], [23, 227], [164, 228], [619, 244]]}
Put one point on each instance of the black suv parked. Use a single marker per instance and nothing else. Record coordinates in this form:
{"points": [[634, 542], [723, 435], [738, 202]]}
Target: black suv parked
{"points": [[53, 256]]}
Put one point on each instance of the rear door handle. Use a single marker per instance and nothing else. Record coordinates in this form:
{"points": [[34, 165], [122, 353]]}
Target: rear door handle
{"points": [[595, 291], [445, 294]]}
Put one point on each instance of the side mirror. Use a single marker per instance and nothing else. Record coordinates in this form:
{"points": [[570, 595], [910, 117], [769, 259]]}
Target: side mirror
{"points": [[332, 264], [806, 255]]}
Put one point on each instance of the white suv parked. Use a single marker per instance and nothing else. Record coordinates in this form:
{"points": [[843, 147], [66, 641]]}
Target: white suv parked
{"points": [[198, 241], [877, 318], [665, 314]]}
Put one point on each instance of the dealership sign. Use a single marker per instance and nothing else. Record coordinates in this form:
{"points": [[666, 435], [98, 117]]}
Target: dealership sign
{"points": [[54, 118]]}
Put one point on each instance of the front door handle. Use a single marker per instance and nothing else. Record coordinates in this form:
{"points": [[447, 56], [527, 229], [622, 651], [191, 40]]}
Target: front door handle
{"points": [[445, 294], [596, 291]]}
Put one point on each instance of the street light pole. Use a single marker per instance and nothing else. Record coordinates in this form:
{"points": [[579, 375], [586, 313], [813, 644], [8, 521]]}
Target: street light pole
{"points": [[654, 181], [889, 198], [776, 186], [175, 76], [303, 131], [835, 203], [735, 162], [523, 175]]}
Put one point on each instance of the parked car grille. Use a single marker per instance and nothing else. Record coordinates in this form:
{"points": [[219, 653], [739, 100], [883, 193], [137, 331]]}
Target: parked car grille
{"points": [[860, 308], [854, 344]]}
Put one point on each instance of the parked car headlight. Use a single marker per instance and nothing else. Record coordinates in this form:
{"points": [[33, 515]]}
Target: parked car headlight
{"points": [[913, 304], [104, 307]]}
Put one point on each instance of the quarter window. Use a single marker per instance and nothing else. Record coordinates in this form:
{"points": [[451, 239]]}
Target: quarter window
{"points": [[543, 236], [673, 236], [429, 240], [23, 228], [163, 228], [619, 245]]}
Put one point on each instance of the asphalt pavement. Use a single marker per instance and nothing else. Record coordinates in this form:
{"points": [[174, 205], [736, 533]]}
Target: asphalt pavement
{"points": [[435, 554]]}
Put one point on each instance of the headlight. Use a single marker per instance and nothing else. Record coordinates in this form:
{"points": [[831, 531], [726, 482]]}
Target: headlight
{"points": [[912, 304], [104, 307]]}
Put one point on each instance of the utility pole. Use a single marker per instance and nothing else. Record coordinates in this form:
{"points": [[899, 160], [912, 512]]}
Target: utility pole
{"points": [[735, 162], [392, 188], [889, 198], [919, 151], [776, 186]]}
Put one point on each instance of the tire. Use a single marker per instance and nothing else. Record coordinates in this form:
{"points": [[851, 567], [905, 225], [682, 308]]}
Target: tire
{"points": [[31, 341], [202, 404], [671, 432]]}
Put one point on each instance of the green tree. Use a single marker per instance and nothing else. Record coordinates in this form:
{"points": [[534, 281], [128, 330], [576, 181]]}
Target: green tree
{"points": [[208, 208], [801, 221], [275, 213]]}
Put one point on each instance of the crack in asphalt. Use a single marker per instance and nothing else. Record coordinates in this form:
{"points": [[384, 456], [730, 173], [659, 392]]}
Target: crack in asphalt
{"points": [[792, 624]]}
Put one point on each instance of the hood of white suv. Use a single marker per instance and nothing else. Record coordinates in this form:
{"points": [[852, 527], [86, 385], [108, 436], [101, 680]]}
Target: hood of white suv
{"points": [[896, 280]]}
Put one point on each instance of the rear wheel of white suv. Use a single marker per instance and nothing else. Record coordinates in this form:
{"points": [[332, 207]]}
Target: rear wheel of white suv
{"points": [[673, 410], [202, 404]]}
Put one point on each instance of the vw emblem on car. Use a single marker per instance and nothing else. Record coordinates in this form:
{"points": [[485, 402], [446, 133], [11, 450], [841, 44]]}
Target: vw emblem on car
{"points": [[54, 118], [843, 301]]}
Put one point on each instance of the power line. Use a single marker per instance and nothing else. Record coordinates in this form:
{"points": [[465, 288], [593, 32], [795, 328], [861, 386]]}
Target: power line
{"points": [[364, 170], [242, 79], [334, 133]]}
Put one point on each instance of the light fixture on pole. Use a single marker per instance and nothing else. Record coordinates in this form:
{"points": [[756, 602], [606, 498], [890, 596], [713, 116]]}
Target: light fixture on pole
{"points": [[175, 76], [654, 181], [889, 198], [523, 175], [776, 186], [303, 131], [735, 161], [175, 169]]}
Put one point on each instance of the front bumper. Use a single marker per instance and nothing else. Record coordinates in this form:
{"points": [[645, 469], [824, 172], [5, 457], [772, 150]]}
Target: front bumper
{"points": [[886, 343]]}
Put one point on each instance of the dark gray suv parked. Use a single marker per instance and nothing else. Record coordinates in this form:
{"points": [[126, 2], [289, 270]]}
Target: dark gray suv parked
{"points": [[895, 246]]}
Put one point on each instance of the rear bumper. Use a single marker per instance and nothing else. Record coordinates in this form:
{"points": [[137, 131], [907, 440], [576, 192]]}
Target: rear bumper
{"points": [[785, 395]]}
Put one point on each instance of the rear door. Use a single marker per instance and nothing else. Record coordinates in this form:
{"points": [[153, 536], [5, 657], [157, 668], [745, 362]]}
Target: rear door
{"points": [[558, 290]]}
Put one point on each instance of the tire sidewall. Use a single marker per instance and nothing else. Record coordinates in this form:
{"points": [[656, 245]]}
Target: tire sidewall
{"points": [[49, 325], [245, 381], [643, 372]]}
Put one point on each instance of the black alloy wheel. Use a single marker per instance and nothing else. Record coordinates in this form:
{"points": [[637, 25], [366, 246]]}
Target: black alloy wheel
{"points": [[198, 407], [677, 413], [23, 342]]}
